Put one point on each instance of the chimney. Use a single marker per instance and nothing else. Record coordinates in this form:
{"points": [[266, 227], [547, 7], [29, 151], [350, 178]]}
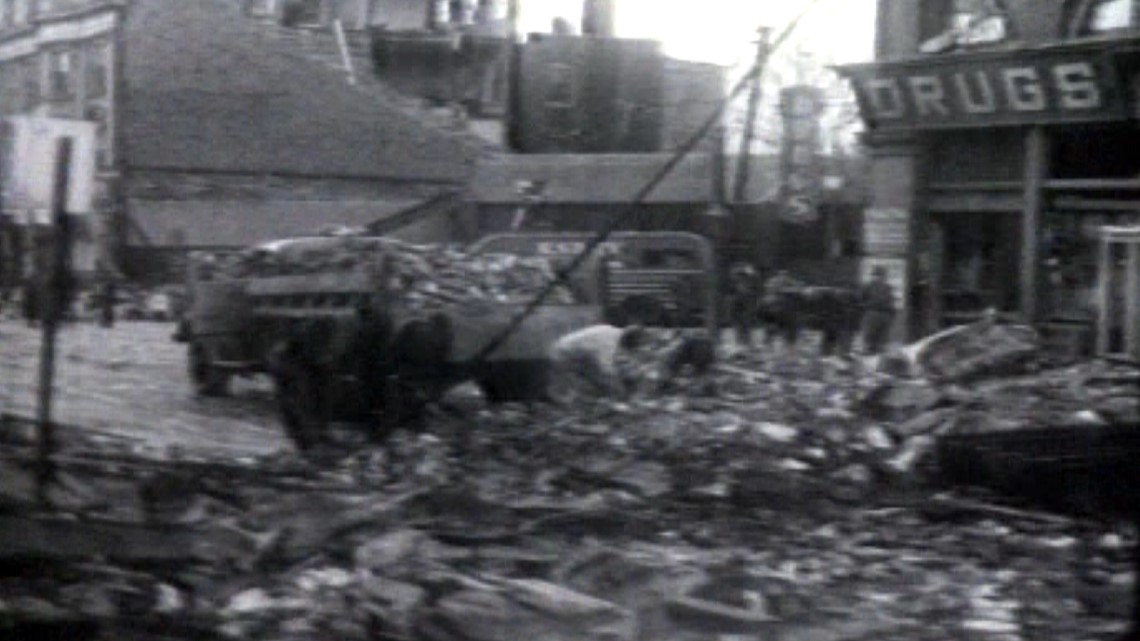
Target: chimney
{"points": [[598, 18]]}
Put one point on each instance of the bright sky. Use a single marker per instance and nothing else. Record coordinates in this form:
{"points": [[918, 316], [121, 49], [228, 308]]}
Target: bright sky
{"points": [[722, 31]]}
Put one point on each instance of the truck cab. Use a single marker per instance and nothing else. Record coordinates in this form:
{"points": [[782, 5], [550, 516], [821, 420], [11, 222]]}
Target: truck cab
{"points": [[651, 278]]}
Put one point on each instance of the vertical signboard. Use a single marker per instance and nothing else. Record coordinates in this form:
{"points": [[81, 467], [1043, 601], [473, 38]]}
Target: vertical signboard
{"points": [[886, 231], [31, 174], [801, 108], [886, 244]]}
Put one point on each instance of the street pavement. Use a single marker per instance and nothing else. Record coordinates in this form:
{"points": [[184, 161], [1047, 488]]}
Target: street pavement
{"points": [[131, 381]]}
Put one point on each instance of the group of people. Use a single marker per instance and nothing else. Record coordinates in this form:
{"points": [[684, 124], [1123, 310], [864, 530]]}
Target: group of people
{"points": [[783, 305], [625, 362]]}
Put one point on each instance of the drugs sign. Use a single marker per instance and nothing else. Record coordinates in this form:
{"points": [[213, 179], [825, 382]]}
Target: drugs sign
{"points": [[1008, 88]]}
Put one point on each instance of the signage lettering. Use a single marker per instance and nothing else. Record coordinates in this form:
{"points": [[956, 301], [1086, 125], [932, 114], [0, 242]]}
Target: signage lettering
{"points": [[1058, 86], [983, 101], [886, 98], [929, 97], [1078, 86], [1024, 89], [801, 170]]}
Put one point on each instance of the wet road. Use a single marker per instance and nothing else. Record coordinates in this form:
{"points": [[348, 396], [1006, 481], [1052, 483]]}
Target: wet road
{"points": [[131, 381]]}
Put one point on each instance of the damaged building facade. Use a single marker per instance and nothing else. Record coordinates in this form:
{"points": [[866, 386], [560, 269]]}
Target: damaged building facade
{"points": [[1005, 139], [240, 131]]}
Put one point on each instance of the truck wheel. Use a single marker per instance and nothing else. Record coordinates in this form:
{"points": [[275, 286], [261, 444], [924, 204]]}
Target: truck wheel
{"points": [[208, 379], [300, 399]]}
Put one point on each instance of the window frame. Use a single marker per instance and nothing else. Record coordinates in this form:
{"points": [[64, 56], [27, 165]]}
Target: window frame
{"points": [[67, 91], [1086, 12]]}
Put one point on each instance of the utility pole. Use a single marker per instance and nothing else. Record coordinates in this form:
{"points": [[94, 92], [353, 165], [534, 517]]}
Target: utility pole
{"points": [[53, 293], [743, 169]]}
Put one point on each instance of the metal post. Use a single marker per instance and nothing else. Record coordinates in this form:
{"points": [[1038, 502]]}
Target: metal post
{"points": [[743, 169], [52, 295]]}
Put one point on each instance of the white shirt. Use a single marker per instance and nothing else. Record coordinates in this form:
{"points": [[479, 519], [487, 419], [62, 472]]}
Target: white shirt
{"points": [[599, 343]]}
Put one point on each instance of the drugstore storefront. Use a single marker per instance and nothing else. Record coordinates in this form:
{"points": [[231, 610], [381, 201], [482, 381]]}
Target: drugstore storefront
{"points": [[1007, 164]]}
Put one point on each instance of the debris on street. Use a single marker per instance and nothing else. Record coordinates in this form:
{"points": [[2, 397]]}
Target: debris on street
{"points": [[800, 500], [426, 275]]}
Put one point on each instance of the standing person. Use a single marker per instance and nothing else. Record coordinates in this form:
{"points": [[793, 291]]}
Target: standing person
{"points": [[744, 299], [778, 307], [879, 305]]}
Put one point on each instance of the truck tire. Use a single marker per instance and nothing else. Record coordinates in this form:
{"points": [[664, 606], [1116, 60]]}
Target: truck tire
{"points": [[300, 399], [207, 378]]}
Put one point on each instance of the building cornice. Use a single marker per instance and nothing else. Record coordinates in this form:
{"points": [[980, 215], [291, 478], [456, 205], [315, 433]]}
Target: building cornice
{"points": [[73, 13], [71, 25]]}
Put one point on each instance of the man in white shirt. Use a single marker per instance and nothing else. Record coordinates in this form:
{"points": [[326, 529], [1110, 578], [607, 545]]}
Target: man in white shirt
{"points": [[585, 362]]}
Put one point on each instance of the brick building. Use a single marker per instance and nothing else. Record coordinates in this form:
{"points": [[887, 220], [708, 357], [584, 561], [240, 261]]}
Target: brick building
{"points": [[1004, 136], [214, 129]]}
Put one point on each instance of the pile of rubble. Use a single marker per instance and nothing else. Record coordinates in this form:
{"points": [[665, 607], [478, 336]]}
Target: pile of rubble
{"points": [[776, 505], [424, 274]]}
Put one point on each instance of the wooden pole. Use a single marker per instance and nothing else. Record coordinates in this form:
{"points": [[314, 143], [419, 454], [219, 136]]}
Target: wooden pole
{"points": [[1036, 170], [743, 168], [53, 297]]}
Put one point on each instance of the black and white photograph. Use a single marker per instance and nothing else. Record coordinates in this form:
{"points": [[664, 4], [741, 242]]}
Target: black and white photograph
{"points": [[569, 320]]}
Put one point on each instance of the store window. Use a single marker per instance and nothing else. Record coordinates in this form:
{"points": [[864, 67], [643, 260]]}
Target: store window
{"points": [[1069, 261], [560, 101], [961, 24], [301, 12], [1106, 16], [21, 12], [8, 95], [979, 259], [102, 119], [62, 69], [28, 73], [97, 70], [264, 8]]}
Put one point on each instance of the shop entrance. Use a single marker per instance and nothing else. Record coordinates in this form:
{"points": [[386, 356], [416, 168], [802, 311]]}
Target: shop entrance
{"points": [[977, 264]]}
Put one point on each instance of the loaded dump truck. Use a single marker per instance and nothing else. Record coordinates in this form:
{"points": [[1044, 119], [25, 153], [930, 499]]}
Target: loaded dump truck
{"points": [[368, 329], [656, 278]]}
